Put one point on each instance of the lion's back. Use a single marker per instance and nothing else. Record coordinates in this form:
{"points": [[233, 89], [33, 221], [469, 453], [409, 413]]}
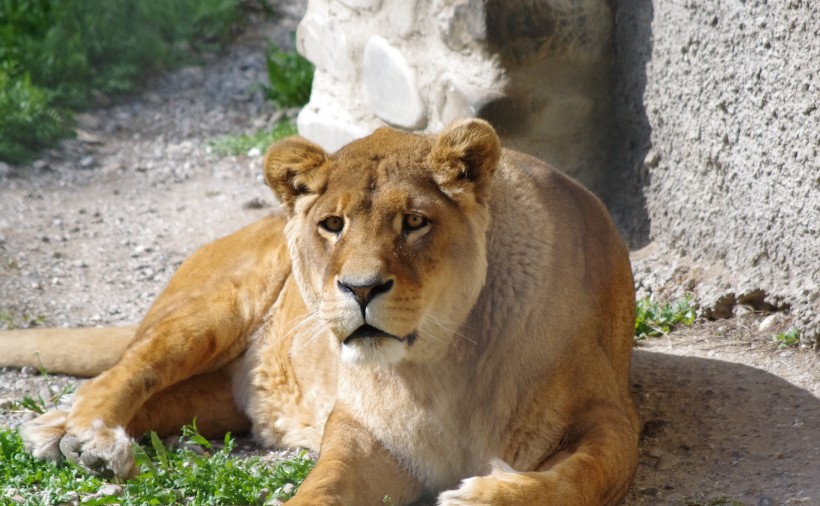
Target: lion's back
{"points": [[557, 259]]}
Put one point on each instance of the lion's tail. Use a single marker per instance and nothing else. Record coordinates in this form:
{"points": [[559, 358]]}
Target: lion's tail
{"points": [[78, 352]]}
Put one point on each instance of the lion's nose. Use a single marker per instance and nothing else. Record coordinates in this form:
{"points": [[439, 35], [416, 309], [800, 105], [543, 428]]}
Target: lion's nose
{"points": [[364, 290]]}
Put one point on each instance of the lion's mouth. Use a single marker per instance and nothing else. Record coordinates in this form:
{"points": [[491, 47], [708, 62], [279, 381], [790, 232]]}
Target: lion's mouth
{"points": [[367, 331]]}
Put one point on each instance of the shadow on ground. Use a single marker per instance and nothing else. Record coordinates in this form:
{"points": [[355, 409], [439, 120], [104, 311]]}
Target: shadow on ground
{"points": [[715, 429]]}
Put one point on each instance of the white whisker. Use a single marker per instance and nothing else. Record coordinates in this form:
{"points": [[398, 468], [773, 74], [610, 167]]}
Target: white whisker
{"points": [[309, 326], [451, 330]]}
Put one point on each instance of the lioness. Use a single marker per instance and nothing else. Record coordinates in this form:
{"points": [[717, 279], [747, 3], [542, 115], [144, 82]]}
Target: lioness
{"points": [[438, 316]]}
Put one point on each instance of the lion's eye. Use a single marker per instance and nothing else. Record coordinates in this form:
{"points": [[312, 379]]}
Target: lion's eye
{"points": [[414, 222], [333, 224]]}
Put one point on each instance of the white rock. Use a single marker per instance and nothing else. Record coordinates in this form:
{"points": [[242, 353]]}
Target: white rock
{"points": [[457, 99], [770, 321], [462, 23], [390, 86], [401, 14], [321, 41], [327, 130], [110, 489], [370, 5]]}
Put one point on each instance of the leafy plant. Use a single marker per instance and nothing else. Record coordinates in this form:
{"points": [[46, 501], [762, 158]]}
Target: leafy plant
{"points": [[40, 405], [233, 145], [58, 55], [10, 320], [28, 120], [167, 475], [788, 339], [290, 77], [653, 319]]}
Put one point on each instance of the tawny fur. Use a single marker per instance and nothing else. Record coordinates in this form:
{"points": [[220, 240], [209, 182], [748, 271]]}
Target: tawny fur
{"points": [[493, 367]]}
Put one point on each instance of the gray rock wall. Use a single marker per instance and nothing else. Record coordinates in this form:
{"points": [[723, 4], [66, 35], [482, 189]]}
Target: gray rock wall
{"points": [[725, 141]]}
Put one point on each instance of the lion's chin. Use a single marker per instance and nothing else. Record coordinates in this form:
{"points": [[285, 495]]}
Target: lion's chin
{"points": [[369, 346]]}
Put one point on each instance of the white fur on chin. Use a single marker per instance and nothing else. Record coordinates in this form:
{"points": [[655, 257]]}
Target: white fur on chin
{"points": [[374, 352]]}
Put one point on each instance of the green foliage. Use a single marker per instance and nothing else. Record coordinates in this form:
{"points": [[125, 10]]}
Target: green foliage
{"points": [[35, 481], [167, 476], [653, 319], [57, 55], [40, 405], [10, 320], [28, 121], [788, 339], [290, 77], [29, 403], [234, 145]]}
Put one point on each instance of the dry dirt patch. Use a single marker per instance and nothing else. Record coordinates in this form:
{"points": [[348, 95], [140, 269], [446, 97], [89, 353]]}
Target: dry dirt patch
{"points": [[727, 415]]}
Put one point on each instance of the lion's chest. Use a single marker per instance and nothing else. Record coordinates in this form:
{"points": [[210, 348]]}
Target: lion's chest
{"points": [[424, 420]]}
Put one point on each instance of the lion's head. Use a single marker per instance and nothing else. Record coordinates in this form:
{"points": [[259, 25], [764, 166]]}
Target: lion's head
{"points": [[387, 236]]}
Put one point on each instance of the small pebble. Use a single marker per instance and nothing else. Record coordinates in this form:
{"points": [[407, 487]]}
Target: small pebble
{"points": [[109, 490], [86, 162]]}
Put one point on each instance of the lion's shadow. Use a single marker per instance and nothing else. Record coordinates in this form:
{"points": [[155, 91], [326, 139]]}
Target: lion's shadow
{"points": [[717, 429]]}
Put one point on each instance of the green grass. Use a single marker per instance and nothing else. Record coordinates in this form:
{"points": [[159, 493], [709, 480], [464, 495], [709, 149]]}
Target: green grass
{"points": [[11, 319], [58, 56], [653, 319], [61, 56], [290, 78], [167, 476], [28, 119], [195, 471], [788, 339], [234, 145]]}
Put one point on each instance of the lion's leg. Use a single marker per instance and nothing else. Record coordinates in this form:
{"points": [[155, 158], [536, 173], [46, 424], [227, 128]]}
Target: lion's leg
{"points": [[354, 468], [594, 467], [172, 351], [208, 398], [201, 322]]}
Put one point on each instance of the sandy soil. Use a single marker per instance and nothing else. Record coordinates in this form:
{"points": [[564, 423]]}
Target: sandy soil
{"points": [[92, 233]]}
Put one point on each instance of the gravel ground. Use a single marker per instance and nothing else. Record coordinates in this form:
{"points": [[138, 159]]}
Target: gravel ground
{"points": [[93, 231]]}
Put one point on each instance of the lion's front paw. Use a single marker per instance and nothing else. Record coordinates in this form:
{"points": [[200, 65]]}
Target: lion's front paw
{"points": [[472, 492], [41, 436], [102, 450], [502, 486]]}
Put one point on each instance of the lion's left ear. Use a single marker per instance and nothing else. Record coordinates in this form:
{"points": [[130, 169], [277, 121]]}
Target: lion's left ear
{"points": [[290, 168], [467, 151]]}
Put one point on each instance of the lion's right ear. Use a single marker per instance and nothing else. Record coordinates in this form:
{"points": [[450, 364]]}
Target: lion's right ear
{"points": [[290, 168]]}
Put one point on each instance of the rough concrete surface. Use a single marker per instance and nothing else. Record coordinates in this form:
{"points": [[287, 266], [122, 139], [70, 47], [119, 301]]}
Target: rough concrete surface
{"points": [[723, 130]]}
